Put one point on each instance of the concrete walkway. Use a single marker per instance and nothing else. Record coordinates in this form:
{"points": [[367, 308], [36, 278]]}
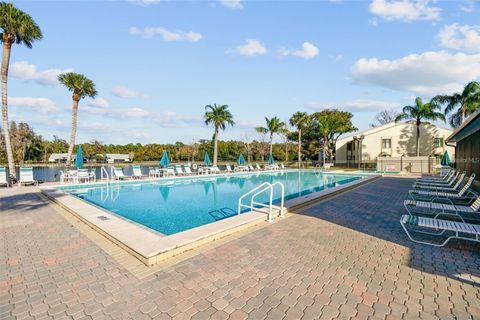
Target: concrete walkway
{"points": [[343, 258]]}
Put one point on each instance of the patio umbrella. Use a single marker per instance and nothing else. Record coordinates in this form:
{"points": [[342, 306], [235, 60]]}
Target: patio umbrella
{"points": [[165, 161], [241, 160], [206, 159], [270, 159], [446, 159], [79, 158]]}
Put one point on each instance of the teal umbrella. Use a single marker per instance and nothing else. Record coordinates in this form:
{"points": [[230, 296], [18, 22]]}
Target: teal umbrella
{"points": [[446, 159], [206, 159], [241, 160], [79, 158], [165, 161], [270, 159]]}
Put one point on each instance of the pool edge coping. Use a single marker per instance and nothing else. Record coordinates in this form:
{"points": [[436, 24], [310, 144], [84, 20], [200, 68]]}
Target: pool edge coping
{"points": [[132, 237]]}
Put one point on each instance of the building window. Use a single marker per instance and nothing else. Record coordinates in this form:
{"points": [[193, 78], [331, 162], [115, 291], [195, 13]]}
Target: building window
{"points": [[438, 142], [386, 143]]}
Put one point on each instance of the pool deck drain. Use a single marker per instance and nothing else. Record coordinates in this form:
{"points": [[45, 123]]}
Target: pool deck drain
{"points": [[152, 247]]}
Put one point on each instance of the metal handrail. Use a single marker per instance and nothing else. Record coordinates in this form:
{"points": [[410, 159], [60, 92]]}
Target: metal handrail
{"points": [[106, 174], [259, 190]]}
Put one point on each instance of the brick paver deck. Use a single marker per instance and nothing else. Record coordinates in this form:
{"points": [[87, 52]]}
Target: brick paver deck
{"points": [[344, 258]]}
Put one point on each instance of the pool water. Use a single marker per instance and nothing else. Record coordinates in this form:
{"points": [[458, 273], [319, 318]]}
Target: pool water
{"points": [[171, 206]]}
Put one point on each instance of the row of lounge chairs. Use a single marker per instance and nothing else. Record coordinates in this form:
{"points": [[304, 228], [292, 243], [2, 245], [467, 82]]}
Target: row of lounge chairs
{"points": [[442, 207], [26, 177]]}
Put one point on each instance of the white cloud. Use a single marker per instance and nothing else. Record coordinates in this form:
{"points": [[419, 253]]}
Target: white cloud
{"points": [[308, 51], [468, 6], [99, 103], [26, 71], [252, 47], [405, 10], [354, 105], [145, 3], [124, 92], [42, 105], [428, 73], [460, 37], [149, 32], [138, 113], [232, 4]]}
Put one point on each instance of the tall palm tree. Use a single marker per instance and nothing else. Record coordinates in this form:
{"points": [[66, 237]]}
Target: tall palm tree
{"points": [[421, 111], [219, 117], [300, 120], [81, 87], [467, 102], [17, 27], [273, 126]]}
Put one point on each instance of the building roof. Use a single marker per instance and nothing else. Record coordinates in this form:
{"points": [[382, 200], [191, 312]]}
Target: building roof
{"points": [[467, 128], [383, 127], [59, 156]]}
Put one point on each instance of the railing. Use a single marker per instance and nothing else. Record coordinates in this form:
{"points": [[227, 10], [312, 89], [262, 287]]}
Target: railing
{"points": [[259, 206], [104, 174]]}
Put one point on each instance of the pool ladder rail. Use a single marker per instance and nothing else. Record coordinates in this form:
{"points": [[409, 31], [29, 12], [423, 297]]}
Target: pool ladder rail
{"points": [[262, 207]]}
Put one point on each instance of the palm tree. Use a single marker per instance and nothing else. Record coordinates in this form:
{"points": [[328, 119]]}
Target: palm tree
{"points": [[219, 116], [17, 27], [419, 112], [300, 120], [81, 87], [467, 102], [273, 126]]}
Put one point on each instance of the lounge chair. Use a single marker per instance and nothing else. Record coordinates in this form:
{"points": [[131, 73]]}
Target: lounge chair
{"points": [[450, 181], [444, 188], [169, 172], [82, 176], [440, 208], [257, 167], [26, 176], [250, 168], [282, 166], [461, 230], [187, 170], [445, 177], [3, 177], [137, 173], [228, 169], [119, 175], [179, 171], [465, 192], [215, 170]]}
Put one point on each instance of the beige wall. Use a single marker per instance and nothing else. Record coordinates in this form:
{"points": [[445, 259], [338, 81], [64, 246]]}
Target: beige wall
{"points": [[403, 139]]}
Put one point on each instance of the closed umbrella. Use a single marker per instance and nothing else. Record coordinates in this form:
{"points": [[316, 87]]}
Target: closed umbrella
{"points": [[271, 160], [241, 160], [446, 159], [165, 161], [79, 158], [206, 159]]}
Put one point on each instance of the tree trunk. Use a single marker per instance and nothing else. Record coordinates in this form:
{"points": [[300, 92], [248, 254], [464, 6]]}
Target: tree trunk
{"points": [[215, 147], [286, 150], [271, 144], [6, 128], [299, 148], [418, 139], [73, 131], [463, 115]]}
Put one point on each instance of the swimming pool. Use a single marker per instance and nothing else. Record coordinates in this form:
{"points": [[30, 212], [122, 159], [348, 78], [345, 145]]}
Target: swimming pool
{"points": [[175, 205]]}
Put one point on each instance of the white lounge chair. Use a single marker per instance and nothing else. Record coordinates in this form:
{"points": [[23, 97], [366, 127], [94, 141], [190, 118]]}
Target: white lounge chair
{"points": [[444, 188], [215, 170], [3, 177], [82, 176], [282, 166], [461, 230], [465, 192], [137, 173], [179, 171], [257, 167], [440, 208], [26, 176], [169, 172], [445, 177], [250, 168], [187, 170], [228, 169], [119, 175], [450, 181]]}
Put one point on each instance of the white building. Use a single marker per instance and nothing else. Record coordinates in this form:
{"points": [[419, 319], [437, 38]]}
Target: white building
{"points": [[396, 139], [115, 157], [60, 157]]}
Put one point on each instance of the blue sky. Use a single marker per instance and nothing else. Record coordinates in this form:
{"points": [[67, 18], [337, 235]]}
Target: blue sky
{"points": [[156, 64]]}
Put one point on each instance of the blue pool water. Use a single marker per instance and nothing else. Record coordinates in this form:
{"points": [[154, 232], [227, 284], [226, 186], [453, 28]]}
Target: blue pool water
{"points": [[175, 205]]}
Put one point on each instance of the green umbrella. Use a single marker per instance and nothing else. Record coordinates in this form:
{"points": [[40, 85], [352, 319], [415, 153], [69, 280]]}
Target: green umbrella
{"points": [[206, 159], [165, 161], [270, 159], [241, 160], [79, 158], [445, 159]]}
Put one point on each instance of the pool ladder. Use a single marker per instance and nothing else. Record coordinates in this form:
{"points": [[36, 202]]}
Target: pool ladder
{"points": [[262, 207]]}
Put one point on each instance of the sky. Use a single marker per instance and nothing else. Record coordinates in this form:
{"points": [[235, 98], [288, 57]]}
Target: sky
{"points": [[156, 64]]}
